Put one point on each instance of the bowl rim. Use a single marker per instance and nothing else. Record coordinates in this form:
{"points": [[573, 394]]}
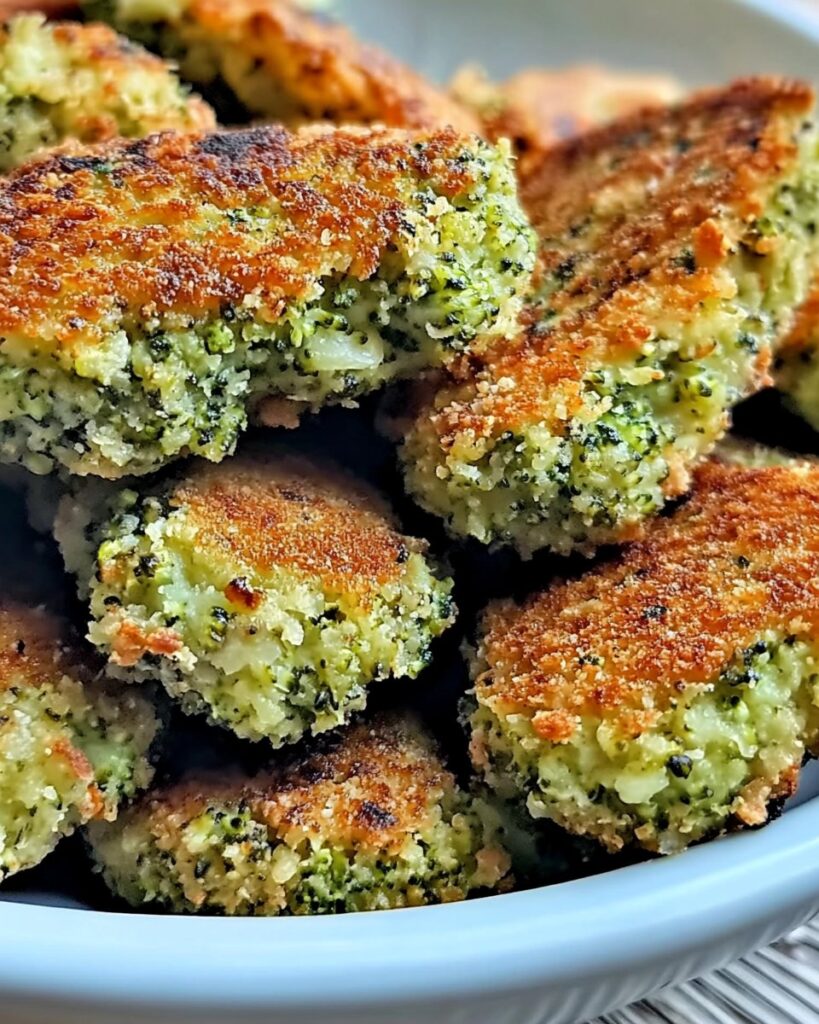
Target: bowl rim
{"points": [[540, 936]]}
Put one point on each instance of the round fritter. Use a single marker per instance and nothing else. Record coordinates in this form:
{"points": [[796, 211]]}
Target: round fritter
{"points": [[674, 245], [671, 692], [71, 749], [272, 59], [537, 108], [797, 364], [149, 290], [372, 823], [269, 592], [83, 82]]}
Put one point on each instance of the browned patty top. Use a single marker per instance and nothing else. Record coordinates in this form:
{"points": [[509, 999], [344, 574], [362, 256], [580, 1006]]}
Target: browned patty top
{"points": [[131, 229], [636, 222], [32, 647], [623, 641], [282, 512], [538, 108], [376, 786]]}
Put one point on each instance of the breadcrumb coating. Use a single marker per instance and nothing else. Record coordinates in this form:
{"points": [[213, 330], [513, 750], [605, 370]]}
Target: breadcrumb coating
{"points": [[674, 246], [68, 83], [268, 592], [150, 291], [71, 750], [671, 690], [374, 822]]}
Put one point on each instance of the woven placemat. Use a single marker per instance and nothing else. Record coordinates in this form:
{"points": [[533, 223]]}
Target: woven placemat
{"points": [[778, 985]]}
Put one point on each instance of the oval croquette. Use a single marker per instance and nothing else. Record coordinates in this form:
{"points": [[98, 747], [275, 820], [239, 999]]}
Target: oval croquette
{"points": [[270, 59], [671, 692], [150, 290], [83, 83], [71, 749], [268, 592], [374, 822], [674, 245]]}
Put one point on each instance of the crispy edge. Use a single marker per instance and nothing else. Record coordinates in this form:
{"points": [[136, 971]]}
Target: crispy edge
{"points": [[380, 779], [341, 192], [667, 615]]}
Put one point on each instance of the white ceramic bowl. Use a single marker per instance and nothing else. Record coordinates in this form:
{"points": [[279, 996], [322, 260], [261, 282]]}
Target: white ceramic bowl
{"points": [[556, 955]]}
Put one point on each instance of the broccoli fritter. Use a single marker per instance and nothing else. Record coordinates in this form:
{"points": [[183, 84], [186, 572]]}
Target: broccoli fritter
{"points": [[674, 245], [66, 81], [150, 290], [272, 59], [71, 749], [670, 693], [797, 363], [269, 591], [537, 108], [373, 823]]}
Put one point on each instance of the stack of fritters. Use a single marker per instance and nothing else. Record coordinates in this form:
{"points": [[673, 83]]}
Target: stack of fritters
{"points": [[573, 310]]}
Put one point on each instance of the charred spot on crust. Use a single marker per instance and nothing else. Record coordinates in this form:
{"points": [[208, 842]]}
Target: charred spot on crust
{"points": [[237, 145], [776, 808], [375, 817], [72, 164]]}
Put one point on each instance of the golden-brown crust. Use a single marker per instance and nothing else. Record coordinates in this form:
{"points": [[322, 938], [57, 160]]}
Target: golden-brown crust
{"points": [[131, 642], [373, 789], [284, 512], [135, 228], [753, 805], [537, 108], [322, 71], [636, 221], [741, 557], [32, 646]]}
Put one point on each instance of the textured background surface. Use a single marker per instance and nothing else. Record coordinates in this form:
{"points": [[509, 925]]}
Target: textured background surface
{"points": [[779, 985]]}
